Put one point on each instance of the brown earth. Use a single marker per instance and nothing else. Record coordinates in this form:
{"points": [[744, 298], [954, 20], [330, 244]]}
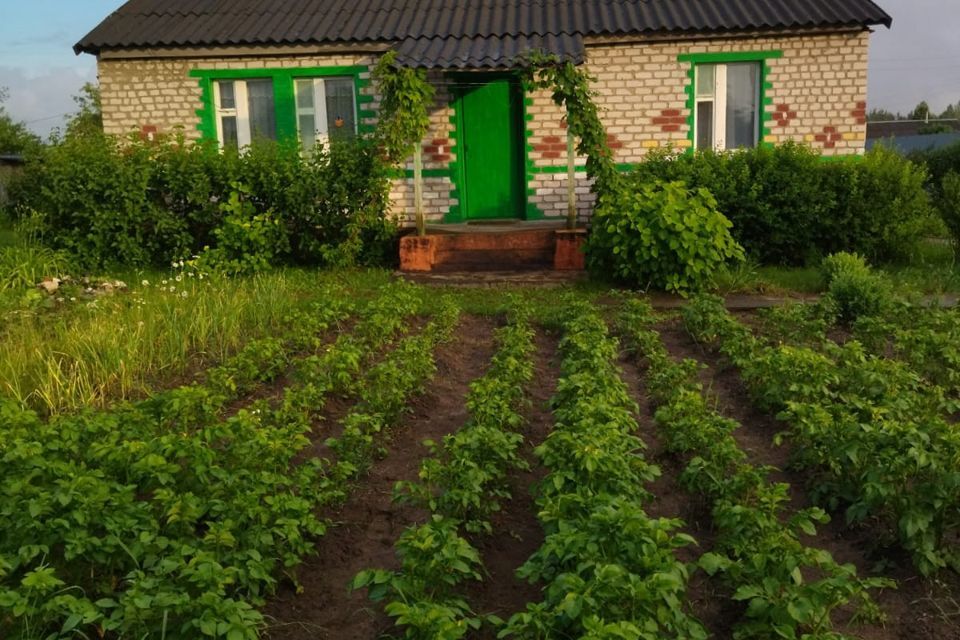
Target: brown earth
{"points": [[919, 608], [368, 523], [516, 530]]}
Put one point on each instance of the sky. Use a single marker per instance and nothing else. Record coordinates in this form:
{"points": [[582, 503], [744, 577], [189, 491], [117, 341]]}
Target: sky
{"points": [[918, 59]]}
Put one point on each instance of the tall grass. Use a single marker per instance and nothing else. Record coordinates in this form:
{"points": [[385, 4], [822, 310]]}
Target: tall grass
{"points": [[24, 265], [121, 345]]}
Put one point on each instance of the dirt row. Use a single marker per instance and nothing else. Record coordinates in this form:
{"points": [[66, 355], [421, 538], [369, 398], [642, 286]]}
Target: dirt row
{"points": [[918, 608], [368, 524]]}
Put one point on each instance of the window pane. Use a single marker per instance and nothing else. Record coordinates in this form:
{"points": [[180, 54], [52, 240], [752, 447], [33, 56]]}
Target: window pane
{"points": [[341, 119], [308, 131], [704, 125], [743, 104], [228, 124], [260, 106], [228, 99], [705, 79], [305, 94]]}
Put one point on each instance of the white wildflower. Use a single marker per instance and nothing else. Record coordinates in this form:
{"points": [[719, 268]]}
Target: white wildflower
{"points": [[145, 283], [183, 294], [163, 282]]}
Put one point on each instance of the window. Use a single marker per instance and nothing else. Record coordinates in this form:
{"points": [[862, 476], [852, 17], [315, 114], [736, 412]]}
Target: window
{"points": [[245, 112], [727, 114], [325, 110]]}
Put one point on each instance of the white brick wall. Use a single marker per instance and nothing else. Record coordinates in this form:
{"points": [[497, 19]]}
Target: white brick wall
{"points": [[818, 98]]}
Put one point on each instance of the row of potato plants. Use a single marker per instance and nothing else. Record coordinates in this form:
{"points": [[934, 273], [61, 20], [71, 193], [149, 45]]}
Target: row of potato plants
{"points": [[925, 338], [161, 518], [870, 433], [789, 589], [609, 569], [461, 484]]}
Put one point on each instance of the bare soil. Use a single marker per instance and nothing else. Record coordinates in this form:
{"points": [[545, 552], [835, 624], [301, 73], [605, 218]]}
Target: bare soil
{"points": [[368, 523], [516, 529], [919, 608]]}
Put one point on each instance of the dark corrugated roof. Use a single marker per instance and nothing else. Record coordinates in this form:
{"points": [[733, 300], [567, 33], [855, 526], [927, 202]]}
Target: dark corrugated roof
{"points": [[455, 28], [486, 52]]}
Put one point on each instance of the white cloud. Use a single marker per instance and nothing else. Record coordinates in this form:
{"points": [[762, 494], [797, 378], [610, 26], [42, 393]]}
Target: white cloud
{"points": [[43, 99], [919, 58]]}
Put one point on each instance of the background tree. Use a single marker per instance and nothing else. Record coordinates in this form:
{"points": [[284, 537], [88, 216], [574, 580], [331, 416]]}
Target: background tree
{"points": [[15, 138], [920, 112], [882, 115], [89, 115]]}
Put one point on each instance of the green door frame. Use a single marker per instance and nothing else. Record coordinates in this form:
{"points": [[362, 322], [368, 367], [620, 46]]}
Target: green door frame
{"points": [[458, 170]]}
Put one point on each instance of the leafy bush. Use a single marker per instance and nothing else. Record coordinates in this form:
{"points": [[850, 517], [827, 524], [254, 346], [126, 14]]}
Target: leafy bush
{"points": [[788, 206], [246, 242], [137, 203], [948, 203], [661, 234], [853, 288]]}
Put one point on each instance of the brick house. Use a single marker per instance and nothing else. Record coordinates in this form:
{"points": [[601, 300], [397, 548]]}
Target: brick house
{"points": [[669, 73]]}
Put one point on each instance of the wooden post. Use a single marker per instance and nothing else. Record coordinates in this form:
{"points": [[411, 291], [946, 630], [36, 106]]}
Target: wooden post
{"points": [[418, 189], [571, 183]]}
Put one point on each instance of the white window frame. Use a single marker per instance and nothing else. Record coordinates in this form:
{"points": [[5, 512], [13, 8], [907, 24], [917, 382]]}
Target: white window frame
{"points": [[240, 111], [319, 110], [719, 100]]}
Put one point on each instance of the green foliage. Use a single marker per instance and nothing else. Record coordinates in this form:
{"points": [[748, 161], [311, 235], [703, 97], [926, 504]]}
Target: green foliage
{"points": [[854, 289], [173, 518], [15, 138], [246, 242], [788, 206], [570, 87], [869, 433], [404, 117], [789, 588], [661, 235], [609, 569], [139, 203], [89, 115], [948, 203]]}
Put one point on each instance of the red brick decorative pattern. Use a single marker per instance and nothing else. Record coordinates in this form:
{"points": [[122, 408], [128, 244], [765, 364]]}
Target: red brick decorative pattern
{"points": [[438, 150], [860, 113], [829, 138], [783, 116], [669, 120]]}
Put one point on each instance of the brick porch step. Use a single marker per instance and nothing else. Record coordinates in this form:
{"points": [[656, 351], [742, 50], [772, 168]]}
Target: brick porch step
{"points": [[515, 248]]}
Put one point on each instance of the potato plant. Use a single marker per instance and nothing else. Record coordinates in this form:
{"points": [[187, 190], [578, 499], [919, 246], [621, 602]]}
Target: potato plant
{"points": [[758, 549], [609, 570], [871, 433], [462, 484], [162, 518]]}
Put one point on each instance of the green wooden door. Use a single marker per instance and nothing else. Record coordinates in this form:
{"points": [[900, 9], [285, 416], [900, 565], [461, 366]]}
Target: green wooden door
{"points": [[490, 119]]}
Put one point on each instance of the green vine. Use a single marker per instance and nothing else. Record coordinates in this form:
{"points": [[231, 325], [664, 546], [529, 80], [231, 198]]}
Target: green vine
{"points": [[404, 119], [571, 89], [405, 99]]}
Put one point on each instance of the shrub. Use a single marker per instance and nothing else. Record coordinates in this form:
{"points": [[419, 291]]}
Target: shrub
{"points": [[138, 203], [789, 206], [662, 235], [853, 289], [246, 241], [948, 202]]}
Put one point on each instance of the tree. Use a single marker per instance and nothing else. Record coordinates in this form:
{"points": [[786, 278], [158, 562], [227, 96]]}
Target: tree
{"points": [[89, 117], [921, 112], [15, 138], [882, 115], [952, 112]]}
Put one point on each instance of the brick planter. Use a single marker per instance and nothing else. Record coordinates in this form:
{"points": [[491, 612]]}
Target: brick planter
{"points": [[568, 253], [417, 253]]}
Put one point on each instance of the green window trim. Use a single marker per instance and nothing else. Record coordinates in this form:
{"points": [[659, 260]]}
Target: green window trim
{"points": [[763, 57], [283, 95]]}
